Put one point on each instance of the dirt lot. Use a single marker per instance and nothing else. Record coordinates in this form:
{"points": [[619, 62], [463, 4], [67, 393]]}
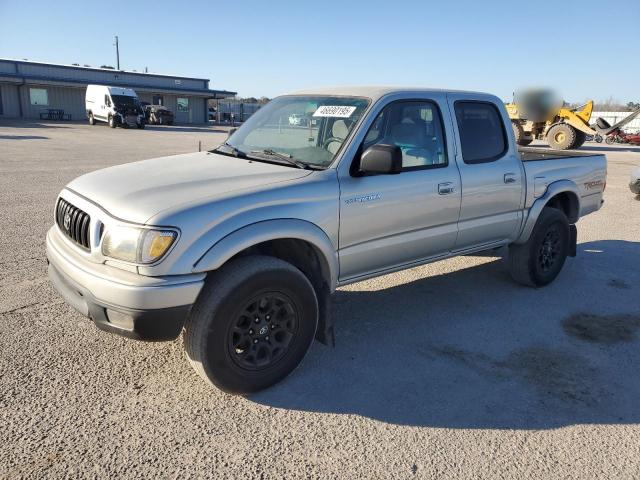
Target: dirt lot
{"points": [[447, 370]]}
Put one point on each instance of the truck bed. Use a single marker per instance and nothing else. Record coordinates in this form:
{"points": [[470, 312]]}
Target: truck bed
{"points": [[534, 154]]}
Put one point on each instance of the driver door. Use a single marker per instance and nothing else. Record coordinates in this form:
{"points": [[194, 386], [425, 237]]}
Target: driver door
{"points": [[393, 220]]}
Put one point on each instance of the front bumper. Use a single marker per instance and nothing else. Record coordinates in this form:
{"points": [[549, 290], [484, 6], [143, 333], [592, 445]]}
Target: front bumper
{"points": [[119, 301]]}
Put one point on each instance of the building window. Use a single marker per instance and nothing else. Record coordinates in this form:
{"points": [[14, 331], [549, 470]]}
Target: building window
{"points": [[38, 96], [183, 104]]}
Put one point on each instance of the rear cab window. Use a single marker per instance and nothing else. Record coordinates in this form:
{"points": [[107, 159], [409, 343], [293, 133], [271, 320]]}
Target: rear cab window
{"points": [[482, 135]]}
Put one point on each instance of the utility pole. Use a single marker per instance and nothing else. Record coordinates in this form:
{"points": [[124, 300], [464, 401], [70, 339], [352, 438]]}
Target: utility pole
{"points": [[117, 54]]}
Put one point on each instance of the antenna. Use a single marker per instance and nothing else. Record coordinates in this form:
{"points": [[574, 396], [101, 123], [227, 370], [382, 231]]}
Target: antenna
{"points": [[117, 53]]}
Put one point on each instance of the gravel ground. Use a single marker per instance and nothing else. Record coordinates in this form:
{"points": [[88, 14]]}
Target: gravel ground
{"points": [[447, 370]]}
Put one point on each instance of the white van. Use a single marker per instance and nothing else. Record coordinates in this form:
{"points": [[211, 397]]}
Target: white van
{"points": [[114, 105]]}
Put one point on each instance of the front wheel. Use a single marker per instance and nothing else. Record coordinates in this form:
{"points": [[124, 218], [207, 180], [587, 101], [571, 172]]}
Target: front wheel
{"points": [[538, 261], [252, 324], [112, 122], [561, 136], [92, 120]]}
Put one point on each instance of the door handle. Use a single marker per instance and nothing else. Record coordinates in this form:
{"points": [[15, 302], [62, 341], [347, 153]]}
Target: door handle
{"points": [[445, 188], [509, 178]]}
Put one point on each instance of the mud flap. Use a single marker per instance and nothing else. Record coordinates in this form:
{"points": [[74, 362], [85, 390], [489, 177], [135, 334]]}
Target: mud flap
{"points": [[324, 333], [573, 240]]}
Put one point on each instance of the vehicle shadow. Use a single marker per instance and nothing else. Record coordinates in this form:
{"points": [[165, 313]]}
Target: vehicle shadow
{"points": [[607, 148], [178, 128], [13, 123], [23, 137], [471, 349]]}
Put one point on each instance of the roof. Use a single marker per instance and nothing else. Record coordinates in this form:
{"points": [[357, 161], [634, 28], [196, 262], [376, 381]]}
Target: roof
{"points": [[69, 82], [97, 69], [374, 92]]}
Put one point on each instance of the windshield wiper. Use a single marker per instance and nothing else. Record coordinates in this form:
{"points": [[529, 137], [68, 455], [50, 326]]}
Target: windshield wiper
{"points": [[286, 157], [236, 152]]}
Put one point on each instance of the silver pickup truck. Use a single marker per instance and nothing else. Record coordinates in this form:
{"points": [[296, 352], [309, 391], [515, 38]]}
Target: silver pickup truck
{"points": [[240, 248]]}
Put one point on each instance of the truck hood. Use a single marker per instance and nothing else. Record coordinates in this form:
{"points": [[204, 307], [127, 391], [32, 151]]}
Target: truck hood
{"points": [[137, 191]]}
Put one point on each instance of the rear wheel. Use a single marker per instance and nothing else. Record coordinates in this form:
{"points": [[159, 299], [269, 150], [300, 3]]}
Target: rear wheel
{"points": [[561, 136], [538, 261], [92, 121], [519, 133], [610, 140], [252, 324]]}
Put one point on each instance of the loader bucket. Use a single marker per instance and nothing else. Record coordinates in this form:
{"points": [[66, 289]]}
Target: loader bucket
{"points": [[579, 117]]}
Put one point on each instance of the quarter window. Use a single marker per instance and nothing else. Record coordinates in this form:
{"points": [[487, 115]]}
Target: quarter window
{"points": [[38, 96], [482, 134], [183, 104], [415, 127]]}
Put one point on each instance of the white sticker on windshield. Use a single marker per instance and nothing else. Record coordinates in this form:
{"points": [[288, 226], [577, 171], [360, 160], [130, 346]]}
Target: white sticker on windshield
{"points": [[334, 111]]}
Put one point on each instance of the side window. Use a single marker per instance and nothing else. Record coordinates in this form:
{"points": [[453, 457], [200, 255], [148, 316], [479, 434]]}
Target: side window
{"points": [[482, 134], [415, 127], [107, 101]]}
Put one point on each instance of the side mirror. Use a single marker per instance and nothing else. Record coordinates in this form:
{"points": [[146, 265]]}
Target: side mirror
{"points": [[231, 132], [381, 159]]}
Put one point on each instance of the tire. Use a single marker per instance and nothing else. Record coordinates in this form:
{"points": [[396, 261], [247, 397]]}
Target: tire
{"points": [[581, 137], [602, 123], [92, 121], [229, 349], [538, 262], [561, 136], [598, 138], [609, 140], [518, 132], [112, 122], [140, 126]]}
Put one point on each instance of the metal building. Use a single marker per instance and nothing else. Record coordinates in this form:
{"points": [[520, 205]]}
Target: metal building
{"points": [[29, 89]]}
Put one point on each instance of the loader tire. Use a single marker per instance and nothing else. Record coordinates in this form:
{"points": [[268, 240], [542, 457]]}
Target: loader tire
{"points": [[518, 132], [561, 136], [581, 137]]}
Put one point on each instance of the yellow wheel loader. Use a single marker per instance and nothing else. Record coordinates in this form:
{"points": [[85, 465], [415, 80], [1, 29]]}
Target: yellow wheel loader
{"points": [[562, 128]]}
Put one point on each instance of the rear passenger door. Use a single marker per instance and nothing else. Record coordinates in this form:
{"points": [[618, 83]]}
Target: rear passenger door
{"points": [[490, 170]]}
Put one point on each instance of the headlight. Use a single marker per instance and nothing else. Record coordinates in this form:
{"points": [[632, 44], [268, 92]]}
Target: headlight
{"points": [[137, 245]]}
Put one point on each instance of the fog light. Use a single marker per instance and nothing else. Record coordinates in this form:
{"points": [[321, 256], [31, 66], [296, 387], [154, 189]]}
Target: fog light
{"points": [[120, 320]]}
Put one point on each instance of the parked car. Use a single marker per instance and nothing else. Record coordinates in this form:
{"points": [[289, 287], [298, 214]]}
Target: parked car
{"points": [[115, 105], [241, 247], [158, 115], [634, 181]]}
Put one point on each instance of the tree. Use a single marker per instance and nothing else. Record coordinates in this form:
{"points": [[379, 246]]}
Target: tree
{"points": [[107, 66]]}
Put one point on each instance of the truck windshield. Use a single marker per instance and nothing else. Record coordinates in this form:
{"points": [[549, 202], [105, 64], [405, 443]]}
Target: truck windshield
{"points": [[306, 129], [125, 101]]}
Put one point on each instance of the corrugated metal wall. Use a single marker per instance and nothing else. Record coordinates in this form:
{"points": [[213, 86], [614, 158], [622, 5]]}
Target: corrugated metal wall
{"points": [[71, 100], [10, 105]]}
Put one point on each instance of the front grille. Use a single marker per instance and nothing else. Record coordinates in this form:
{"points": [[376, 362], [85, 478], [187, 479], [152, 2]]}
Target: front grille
{"points": [[73, 222]]}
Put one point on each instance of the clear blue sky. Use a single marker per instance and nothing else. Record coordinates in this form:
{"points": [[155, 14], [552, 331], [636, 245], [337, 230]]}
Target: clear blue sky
{"points": [[584, 49]]}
